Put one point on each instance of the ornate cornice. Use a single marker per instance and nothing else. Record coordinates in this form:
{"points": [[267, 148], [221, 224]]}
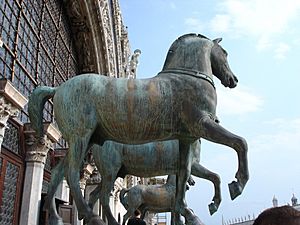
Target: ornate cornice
{"points": [[12, 95], [11, 102]]}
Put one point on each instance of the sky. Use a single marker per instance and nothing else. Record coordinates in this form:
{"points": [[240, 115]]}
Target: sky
{"points": [[262, 38]]}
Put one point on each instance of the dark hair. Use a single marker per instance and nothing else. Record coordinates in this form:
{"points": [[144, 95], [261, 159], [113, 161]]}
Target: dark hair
{"points": [[137, 212], [278, 215]]}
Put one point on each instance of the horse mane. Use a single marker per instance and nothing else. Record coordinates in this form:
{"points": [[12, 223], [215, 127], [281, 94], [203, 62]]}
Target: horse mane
{"points": [[278, 215], [185, 43]]}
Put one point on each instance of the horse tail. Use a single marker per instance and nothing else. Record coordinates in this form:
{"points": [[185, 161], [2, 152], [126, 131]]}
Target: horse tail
{"points": [[123, 198], [36, 104]]}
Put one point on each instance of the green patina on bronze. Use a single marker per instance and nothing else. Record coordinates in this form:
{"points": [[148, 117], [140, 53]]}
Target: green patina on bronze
{"points": [[152, 159], [178, 103]]}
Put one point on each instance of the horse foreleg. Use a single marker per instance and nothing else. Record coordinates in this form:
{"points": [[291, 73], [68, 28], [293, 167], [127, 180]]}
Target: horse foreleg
{"points": [[214, 132], [106, 187], [57, 175], [201, 172], [182, 177]]}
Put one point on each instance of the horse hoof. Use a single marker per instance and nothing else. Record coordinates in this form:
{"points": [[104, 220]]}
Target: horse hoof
{"points": [[235, 189], [96, 220], [212, 208], [192, 219]]}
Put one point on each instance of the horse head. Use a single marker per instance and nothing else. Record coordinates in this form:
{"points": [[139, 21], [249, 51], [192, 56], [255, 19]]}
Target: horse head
{"points": [[201, 57], [220, 67]]}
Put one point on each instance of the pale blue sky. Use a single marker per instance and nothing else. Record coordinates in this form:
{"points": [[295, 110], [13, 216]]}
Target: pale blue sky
{"points": [[262, 38]]}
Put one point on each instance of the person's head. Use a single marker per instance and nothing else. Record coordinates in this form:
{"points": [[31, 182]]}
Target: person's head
{"points": [[137, 213], [286, 215]]}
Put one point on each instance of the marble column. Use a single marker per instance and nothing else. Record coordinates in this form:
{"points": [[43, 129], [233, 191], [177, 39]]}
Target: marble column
{"points": [[63, 191], [36, 154], [11, 102]]}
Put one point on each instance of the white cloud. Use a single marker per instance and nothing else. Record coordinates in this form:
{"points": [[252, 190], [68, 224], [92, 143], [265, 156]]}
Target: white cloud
{"points": [[260, 17], [238, 101], [263, 43], [264, 20], [283, 134], [220, 23], [281, 50]]}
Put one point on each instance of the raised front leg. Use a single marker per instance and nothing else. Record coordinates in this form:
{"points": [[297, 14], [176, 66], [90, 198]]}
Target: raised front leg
{"points": [[201, 172], [212, 131]]}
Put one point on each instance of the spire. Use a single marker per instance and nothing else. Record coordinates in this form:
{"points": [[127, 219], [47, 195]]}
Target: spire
{"points": [[275, 202], [294, 200]]}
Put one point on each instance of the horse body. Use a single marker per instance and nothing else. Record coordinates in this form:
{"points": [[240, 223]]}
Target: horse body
{"points": [[154, 198], [134, 104], [179, 103], [153, 159]]}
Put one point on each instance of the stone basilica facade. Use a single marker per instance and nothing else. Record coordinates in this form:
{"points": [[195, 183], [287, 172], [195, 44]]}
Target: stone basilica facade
{"points": [[46, 42]]}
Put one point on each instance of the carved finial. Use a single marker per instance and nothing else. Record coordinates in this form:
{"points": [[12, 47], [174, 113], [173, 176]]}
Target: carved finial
{"points": [[275, 201], [294, 200], [133, 64]]}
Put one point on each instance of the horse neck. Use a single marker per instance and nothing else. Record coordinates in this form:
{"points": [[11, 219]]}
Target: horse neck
{"points": [[194, 56]]}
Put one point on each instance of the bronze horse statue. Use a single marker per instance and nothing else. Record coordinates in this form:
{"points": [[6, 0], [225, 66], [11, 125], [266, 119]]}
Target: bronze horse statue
{"points": [[156, 198], [178, 103], [117, 160]]}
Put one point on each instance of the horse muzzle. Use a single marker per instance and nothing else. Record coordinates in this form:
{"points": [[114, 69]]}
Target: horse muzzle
{"points": [[230, 82]]}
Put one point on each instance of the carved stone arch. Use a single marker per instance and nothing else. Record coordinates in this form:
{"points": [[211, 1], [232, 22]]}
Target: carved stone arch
{"points": [[98, 32], [87, 56]]}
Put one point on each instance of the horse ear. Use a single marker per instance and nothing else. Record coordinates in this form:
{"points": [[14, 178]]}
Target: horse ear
{"points": [[217, 40]]}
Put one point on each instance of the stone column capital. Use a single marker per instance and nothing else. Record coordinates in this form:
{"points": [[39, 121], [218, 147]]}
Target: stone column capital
{"points": [[37, 148], [85, 175]]}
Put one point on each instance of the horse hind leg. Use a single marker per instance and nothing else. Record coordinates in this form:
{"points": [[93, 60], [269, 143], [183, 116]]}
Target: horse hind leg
{"points": [[214, 132], [74, 161], [201, 172], [57, 175]]}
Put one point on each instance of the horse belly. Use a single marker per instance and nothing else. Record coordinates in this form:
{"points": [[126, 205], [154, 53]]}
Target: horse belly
{"points": [[158, 198], [135, 112], [153, 159]]}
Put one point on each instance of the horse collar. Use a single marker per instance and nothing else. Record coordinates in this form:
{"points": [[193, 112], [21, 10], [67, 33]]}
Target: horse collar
{"points": [[192, 73]]}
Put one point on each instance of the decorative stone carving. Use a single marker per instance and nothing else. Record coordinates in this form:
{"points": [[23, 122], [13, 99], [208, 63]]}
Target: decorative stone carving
{"points": [[11, 102], [85, 175], [133, 63], [118, 186], [37, 149], [108, 36], [95, 177], [125, 50], [82, 35]]}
